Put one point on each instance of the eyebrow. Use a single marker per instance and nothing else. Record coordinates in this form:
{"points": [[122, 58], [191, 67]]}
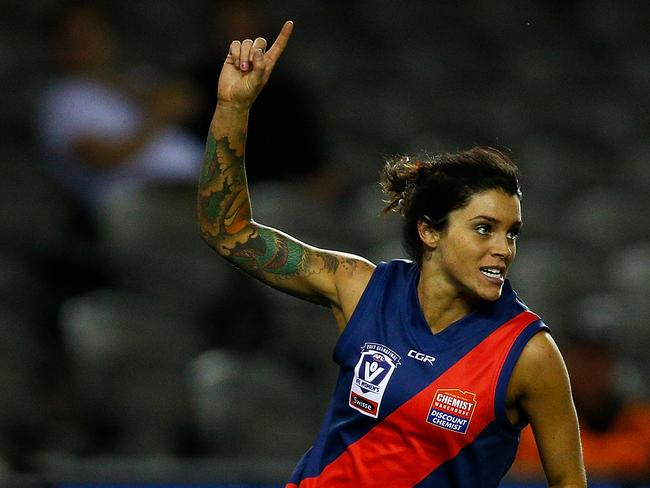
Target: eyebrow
{"points": [[493, 220]]}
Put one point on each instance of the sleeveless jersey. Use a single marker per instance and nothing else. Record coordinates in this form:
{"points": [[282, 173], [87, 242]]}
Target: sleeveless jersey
{"points": [[413, 408]]}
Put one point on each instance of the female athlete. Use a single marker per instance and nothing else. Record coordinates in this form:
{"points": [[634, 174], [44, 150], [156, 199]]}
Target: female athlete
{"points": [[441, 365]]}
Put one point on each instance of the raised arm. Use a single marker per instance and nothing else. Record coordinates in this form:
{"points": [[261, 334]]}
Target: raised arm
{"points": [[224, 208]]}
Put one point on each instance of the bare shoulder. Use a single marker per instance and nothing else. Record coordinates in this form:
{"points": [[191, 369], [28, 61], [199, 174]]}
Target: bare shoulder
{"points": [[352, 274], [345, 265], [541, 349], [540, 368]]}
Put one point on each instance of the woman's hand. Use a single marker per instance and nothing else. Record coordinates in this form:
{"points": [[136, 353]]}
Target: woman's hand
{"points": [[247, 68]]}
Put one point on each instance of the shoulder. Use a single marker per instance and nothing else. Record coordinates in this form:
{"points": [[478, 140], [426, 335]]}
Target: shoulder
{"points": [[363, 270], [362, 278], [396, 272], [352, 275], [350, 270], [355, 276], [540, 368], [541, 354], [397, 268]]}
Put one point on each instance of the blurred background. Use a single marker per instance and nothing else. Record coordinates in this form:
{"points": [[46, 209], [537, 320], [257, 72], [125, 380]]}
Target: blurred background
{"points": [[130, 353]]}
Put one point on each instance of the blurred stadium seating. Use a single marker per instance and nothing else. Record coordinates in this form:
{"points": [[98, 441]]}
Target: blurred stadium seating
{"points": [[135, 355]]}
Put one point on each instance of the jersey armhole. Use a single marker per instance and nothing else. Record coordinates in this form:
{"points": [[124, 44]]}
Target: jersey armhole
{"points": [[378, 276], [501, 392]]}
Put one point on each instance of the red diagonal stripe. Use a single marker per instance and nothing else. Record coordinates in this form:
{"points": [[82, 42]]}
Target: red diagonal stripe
{"points": [[403, 447]]}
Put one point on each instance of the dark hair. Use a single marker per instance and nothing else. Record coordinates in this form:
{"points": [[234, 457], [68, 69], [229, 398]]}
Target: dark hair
{"points": [[435, 186]]}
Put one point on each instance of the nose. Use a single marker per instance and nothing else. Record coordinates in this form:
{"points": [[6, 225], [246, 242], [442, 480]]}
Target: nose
{"points": [[503, 248]]}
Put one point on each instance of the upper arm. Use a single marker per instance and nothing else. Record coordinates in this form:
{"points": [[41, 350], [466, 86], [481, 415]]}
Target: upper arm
{"points": [[225, 220], [544, 395], [327, 277]]}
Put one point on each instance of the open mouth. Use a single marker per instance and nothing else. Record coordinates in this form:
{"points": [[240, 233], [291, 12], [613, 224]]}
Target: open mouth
{"points": [[494, 274]]}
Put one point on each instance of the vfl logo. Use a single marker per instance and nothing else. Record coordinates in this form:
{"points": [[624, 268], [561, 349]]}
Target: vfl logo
{"points": [[371, 376], [452, 409]]}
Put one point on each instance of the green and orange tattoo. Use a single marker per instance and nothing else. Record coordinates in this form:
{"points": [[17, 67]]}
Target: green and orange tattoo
{"points": [[226, 223], [225, 216]]}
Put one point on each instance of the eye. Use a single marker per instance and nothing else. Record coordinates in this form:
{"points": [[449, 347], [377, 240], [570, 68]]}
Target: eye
{"points": [[513, 234], [483, 229]]}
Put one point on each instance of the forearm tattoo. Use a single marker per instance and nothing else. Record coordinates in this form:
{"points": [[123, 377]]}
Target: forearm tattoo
{"points": [[223, 198], [225, 215], [225, 221]]}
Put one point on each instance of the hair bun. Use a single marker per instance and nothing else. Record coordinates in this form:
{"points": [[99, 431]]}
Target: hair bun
{"points": [[399, 179]]}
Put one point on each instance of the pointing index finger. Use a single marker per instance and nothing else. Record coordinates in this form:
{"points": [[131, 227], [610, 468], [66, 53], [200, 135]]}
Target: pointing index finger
{"points": [[280, 43]]}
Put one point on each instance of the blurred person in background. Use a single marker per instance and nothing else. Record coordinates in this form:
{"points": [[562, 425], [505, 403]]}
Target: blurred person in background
{"points": [[284, 130], [102, 127], [615, 429], [440, 362]]}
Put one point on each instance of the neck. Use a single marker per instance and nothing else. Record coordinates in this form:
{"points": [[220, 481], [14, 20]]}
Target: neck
{"points": [[441, 300]]}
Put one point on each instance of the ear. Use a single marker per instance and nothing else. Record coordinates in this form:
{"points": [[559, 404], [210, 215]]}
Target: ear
{"points": [[429, 236]]}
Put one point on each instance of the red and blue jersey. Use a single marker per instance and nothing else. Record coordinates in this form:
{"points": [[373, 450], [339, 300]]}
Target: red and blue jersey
{"points": [[413, 408]]}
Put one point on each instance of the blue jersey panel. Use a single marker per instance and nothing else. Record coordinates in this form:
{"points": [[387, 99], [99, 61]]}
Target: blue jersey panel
{"points": [[387, 354]]}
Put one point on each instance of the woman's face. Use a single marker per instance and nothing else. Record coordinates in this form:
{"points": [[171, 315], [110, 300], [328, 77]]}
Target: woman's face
{"points": [[479, 244]]}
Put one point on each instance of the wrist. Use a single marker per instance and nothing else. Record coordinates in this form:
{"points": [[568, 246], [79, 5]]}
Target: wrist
{"points": [[233, 108], [229, 117]]}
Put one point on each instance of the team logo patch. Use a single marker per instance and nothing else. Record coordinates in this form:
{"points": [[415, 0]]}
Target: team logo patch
{"points": [[452, 409], [371, 376]]}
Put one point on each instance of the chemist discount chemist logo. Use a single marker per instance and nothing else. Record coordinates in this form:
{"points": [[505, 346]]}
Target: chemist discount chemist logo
{"points": [[371, 376], [452, 409]]}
